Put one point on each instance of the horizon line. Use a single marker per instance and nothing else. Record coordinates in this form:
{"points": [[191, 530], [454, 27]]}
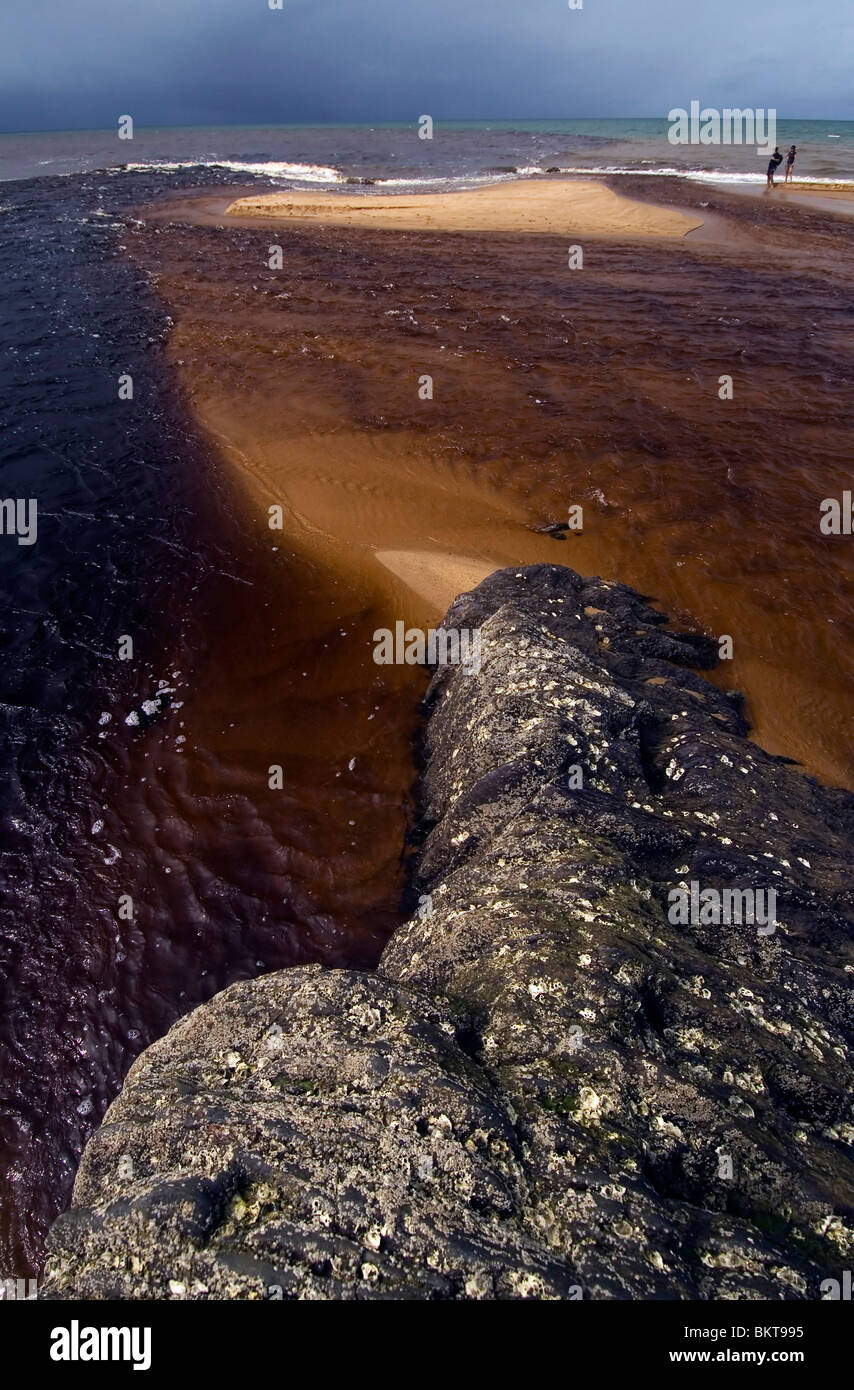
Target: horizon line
{"points": [[409, 120]]}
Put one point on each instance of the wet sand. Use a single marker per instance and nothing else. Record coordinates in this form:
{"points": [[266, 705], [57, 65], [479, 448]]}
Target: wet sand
{"points": [[821, 197], [544, 206], [551, 388]]}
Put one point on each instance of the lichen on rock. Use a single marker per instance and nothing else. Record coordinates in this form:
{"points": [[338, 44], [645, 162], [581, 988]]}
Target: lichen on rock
{"points": [[548, 1089]]}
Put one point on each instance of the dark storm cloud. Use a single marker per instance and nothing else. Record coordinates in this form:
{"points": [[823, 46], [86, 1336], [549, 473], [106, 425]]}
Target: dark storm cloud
{"points": [[176, 62]]}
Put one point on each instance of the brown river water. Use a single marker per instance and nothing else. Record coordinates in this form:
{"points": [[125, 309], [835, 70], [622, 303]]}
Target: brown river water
{"points": [[598, 387]]}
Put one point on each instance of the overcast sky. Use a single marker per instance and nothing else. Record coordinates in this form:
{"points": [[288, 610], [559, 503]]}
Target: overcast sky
{"points": [[79, 64]]}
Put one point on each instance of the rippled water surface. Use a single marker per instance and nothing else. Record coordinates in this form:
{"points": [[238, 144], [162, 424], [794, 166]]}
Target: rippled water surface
{"points": [[138, 537], [460, 150]]}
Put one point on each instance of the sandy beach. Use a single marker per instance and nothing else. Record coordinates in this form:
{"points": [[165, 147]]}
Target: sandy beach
{"points": [[548, 207], [548, 388], [837, 198]]}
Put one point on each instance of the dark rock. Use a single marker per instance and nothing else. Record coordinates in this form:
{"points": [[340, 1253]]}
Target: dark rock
{"points": [[548, 1089], [555, 529]]}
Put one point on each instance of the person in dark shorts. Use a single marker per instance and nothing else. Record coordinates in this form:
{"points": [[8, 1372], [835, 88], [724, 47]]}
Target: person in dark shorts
{"points": [[773, 164], [790, 162]]}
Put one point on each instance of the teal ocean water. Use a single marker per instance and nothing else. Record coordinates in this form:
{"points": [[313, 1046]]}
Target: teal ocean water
{"points": [[459, 154]]}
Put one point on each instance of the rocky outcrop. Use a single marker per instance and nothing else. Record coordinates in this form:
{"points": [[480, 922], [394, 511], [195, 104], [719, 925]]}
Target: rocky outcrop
{"points": [[550, 1088]]}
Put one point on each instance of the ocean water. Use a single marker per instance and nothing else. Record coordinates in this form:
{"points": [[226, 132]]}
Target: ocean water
{"points": [[462, 153]]}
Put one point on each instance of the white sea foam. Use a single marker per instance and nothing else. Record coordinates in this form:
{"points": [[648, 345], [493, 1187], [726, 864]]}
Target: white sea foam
{"points": [[697, 175], [320, 173], [713, 177], [277, 169], [456, 179], [298, 173]]}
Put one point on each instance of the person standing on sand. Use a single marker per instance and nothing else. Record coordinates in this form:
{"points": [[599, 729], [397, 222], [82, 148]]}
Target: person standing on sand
{"points": [[790, 162], [773, 163]]}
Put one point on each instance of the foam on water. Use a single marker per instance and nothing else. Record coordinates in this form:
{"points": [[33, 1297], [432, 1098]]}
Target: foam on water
{"points": [[327, 156], [272, 168]]}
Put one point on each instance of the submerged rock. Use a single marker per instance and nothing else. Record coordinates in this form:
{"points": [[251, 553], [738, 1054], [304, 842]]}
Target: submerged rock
{"points": [[548, 1089], [556, 529]]}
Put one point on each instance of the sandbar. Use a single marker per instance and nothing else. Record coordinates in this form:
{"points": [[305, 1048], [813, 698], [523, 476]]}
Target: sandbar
{"points": [[548, 207]]}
